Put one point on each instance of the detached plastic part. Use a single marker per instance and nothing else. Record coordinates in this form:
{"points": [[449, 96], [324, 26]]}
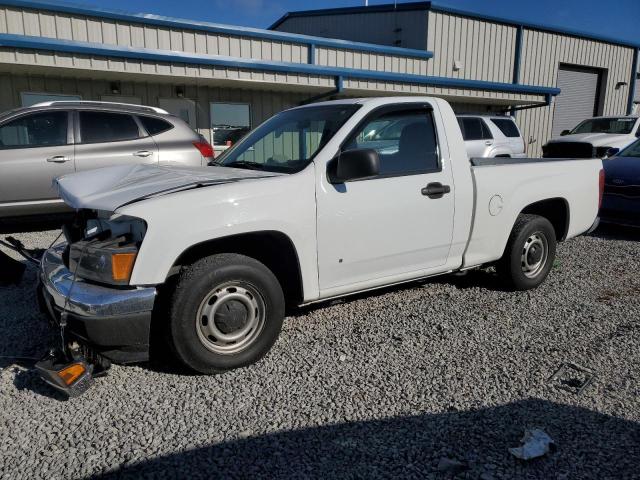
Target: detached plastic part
{"points": [[535, 443], [72, 377]]}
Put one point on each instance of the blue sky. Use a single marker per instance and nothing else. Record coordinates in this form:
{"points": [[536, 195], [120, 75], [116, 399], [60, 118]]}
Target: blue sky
{"points": [[615, 18]]}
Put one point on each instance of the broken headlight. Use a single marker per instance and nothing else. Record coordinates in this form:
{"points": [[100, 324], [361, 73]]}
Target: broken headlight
{"points": [[108, 251]]}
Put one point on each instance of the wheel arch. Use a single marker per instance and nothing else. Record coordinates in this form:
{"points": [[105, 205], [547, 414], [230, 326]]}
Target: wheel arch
{"points": [[556, 210], [273, 248]]}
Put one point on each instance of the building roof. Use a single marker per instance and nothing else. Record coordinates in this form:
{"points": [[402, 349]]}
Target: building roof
{"points": [[437, 7]]}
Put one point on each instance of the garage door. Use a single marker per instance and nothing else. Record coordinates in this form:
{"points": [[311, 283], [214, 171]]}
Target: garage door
{"points": [[577, 99]]}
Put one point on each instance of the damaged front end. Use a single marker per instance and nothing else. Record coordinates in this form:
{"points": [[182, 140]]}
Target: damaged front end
{"points": [[84, 288]]}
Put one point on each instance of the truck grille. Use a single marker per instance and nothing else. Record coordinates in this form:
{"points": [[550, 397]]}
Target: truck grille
{"points": [[568, 150]]}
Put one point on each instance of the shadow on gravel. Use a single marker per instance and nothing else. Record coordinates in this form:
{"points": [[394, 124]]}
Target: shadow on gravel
{"points": [[589, 445], [617, 232]]}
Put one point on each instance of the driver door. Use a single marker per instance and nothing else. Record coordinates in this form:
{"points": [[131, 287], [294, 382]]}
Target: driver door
{"points": [[380, 230]]}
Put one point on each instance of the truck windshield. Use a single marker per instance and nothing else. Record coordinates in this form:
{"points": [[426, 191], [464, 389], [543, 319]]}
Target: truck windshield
{"points": [[615, 125], [287, 142]]}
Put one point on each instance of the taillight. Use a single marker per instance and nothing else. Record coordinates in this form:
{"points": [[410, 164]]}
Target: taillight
{"points": [[206, 150], [600, 187]]}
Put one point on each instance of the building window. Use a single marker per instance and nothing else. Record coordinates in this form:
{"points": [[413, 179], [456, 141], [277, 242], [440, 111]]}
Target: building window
{"points": [[229, 123], [31, 98]]}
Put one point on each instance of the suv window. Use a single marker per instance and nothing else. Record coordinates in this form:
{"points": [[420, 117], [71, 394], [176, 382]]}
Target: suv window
{"points": [[98, 127], [507, 127], [405, 141], [474, 129], [154, 126], [43, 129]]}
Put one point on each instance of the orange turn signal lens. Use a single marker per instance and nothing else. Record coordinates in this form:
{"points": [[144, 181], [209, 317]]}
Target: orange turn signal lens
{"points": [[122, 265], [71, 373]]}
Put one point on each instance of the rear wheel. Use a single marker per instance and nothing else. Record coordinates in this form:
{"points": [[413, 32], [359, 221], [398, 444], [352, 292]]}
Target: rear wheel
{"points": [[226, 312], [530, 252]]}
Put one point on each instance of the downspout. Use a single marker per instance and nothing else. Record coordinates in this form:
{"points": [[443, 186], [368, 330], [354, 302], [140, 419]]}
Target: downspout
{"points": [[516, 63], [337, 90], [632, 83]]}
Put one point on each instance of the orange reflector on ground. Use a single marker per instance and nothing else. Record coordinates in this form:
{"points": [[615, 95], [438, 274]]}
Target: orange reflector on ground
{"points": [[71, 373], [122, 265]]}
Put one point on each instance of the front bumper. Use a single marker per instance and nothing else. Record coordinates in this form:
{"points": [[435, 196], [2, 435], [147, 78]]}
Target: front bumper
{"points": [[114, 321]]}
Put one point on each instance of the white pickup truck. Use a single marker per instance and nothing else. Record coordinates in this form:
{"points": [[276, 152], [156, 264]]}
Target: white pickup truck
{"points": [[308, 206]]}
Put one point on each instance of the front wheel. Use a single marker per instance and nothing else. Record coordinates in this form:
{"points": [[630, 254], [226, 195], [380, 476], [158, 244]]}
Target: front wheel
{"points": [[226, 312], [530, 252]]}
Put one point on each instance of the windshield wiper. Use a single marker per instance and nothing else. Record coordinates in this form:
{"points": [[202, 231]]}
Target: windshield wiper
{"points": [[245, 164]]}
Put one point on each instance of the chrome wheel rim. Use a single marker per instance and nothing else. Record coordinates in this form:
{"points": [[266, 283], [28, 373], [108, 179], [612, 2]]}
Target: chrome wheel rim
{"points": [[534, 255], [230, 318]]}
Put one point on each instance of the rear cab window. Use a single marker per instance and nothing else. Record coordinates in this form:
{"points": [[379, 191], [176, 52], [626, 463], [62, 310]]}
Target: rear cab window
{"points": [[99, 127], [154, 126], [507, 126], [474, 128]]}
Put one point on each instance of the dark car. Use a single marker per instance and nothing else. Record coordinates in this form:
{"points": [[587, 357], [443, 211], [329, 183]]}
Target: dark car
{"points": [[621, 200]]}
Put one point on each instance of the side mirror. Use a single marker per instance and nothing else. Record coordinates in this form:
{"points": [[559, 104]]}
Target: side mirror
{"points": [[353, 165], [565, 132], [612, 151]]}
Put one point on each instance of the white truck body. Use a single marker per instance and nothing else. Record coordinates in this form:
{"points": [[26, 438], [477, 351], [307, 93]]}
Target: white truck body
{"points": [[350, 237]]}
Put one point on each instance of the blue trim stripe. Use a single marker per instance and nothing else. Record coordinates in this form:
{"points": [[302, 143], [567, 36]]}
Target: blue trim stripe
{"points": [[437, 7], [99, 49], [169, 22]]}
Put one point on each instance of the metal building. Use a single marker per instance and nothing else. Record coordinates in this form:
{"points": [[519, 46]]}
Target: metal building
{"points": [[595, 75], [218, 76]]}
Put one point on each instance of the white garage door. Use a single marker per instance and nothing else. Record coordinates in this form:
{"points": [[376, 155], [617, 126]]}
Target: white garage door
{"points": [[577, 99]]}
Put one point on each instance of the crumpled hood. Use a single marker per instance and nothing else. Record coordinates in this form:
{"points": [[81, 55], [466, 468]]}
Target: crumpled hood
{"points": [[596, 139], [111, 187]]}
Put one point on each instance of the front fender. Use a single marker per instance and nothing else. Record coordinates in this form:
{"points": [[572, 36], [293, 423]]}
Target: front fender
{"points": [[178, 221]]}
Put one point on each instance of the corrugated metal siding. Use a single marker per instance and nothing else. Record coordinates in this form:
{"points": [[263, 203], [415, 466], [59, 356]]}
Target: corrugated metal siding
{"points": [[577, 100], [86, 29], [375, 27], [636, 97], [263, 103], [370, 61], [486, 50], [542, 54]]}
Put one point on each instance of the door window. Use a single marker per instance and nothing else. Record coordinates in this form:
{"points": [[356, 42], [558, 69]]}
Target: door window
{"points": [[405, 141], [44, 129], [474, 129], [99, 127]]}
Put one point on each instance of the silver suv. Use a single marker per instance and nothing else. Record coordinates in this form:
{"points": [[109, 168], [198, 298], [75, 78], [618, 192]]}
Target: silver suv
{"points": [[491, 136], [44, 141]]}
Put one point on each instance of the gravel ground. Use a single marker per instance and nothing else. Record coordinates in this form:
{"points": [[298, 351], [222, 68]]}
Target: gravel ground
{"points": [[391, 384]]}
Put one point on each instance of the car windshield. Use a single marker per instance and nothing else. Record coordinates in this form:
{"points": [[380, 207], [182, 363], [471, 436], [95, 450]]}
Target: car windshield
{"points": [[632, 150], [289, 141], [615, 125]]}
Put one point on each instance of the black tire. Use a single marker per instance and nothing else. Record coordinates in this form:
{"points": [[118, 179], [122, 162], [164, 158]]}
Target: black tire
{"points": [[210, 279], [512, 267]]}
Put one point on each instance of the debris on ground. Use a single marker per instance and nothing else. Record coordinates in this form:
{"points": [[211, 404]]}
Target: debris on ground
{"points": [[573, 378], [454, 467], [535, 443]]}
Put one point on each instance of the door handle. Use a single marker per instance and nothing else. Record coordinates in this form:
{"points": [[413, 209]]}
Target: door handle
{"points": [[488, 142], [58, 159], [435, 190], [143, 153]]}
